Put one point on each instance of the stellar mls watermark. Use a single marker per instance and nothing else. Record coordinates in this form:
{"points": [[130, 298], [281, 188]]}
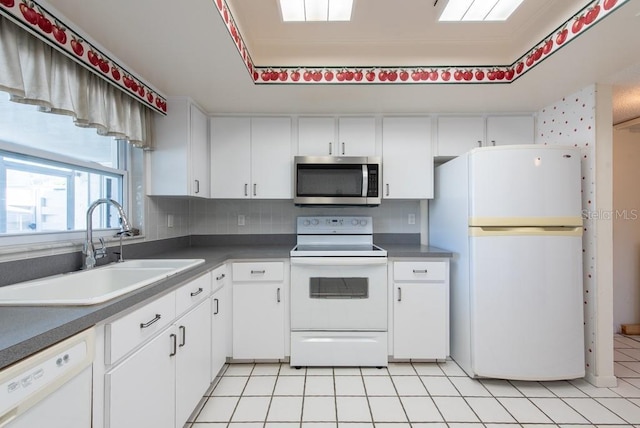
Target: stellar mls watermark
{"points": [[625, 214]]}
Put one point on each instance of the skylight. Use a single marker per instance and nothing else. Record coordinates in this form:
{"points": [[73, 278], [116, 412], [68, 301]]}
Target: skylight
{"points": [[316, 10], [479, 10]]}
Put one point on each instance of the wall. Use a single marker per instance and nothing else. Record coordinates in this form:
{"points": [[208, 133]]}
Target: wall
{"points": [[580, 120], [220, 217], [157, 211], [626, 228]]}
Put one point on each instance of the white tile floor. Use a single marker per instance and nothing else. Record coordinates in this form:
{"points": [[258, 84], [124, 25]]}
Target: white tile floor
{"points": [[416, 395]]}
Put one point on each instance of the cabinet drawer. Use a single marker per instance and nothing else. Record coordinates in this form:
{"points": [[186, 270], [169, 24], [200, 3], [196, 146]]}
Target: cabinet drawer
{"points": [[419, 271], [218, 277], [266, 271], [131, 330], [192, 293]]}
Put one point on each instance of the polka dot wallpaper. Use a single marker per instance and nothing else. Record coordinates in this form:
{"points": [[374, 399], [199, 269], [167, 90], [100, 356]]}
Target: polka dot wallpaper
{"points": [[571, 122]]}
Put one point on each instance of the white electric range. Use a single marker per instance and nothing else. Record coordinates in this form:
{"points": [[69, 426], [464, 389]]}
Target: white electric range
{"points": [[338, 293]]}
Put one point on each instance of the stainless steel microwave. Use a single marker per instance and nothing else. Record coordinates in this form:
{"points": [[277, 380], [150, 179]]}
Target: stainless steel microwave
{"points": [[337, 180]]}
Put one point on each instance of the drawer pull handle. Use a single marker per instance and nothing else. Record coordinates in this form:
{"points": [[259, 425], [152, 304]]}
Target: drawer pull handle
{"points": [[217, 307], [419, 271], [195, 293], [174, 344], [258, 272], [218, 278], [183, 330], [399, 294], [153, 321]]}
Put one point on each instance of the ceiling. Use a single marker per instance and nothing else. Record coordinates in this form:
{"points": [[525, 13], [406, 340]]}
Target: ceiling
{"points": [[184, 48]]}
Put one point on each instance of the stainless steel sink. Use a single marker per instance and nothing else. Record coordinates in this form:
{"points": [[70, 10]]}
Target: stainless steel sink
{"points": [[93, 286]]}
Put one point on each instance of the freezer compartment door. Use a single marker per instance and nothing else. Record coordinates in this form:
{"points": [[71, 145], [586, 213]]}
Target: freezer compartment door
{"points": [[526, 305], [525, 185]]}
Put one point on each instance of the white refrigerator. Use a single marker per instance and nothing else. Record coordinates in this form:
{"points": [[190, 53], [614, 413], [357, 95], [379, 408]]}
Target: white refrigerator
{"points": [[512, 217]]}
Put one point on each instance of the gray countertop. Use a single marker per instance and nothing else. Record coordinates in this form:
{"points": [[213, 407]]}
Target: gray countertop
{"points": [[25, 330]]}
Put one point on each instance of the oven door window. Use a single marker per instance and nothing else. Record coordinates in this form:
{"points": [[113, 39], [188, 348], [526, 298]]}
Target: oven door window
{"points": [[338, 288], [330, 181]]}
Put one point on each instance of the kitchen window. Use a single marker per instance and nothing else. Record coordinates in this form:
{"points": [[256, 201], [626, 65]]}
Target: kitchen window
{"points": [[51, 171]]}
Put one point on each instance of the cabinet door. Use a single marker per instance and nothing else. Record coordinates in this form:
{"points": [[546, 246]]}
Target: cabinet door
{"points": [[420, 320], [271, 160], [258, 320], [193, 361], [199, 153], [219, 322], [503, 130], [356, 136], [140, 392], [230, 157], [317, 136], [171, 151], [458, 135], [407, 165]]}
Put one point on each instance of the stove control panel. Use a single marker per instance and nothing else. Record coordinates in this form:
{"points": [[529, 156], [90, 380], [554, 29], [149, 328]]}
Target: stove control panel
{"points": [[334, 225]]}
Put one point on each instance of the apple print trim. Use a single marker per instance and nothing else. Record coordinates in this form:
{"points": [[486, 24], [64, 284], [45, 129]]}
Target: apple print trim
{"points": [[41, 23], [593, 12]]}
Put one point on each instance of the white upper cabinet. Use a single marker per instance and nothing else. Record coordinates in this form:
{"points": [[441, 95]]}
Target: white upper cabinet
{"points": [[251, 158], [356, 136], [271, 159], [458, 135], [230, 157], [407, 160], [179, 161], [502, 130], [345, 136], [316, 136]]}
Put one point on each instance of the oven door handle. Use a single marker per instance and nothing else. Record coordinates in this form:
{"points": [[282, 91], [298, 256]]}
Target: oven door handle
{"points": [[338, 261]]}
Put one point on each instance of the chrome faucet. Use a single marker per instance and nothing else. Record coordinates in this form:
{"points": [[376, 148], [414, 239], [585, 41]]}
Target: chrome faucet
{"points": [[91, 254]]}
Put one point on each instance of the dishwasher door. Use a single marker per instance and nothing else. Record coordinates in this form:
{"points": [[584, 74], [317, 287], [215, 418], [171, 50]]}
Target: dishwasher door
{"points": [[50, 389]]}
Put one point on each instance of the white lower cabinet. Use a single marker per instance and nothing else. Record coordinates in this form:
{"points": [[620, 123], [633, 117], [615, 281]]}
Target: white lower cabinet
{"points": [[421, 310], [220, 326], [259, 301], [140, 391], [193, 360], [160, 383]]}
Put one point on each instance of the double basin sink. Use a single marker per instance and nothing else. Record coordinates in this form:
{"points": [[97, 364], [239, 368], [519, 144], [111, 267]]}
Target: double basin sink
{"points": [[93, 286]]}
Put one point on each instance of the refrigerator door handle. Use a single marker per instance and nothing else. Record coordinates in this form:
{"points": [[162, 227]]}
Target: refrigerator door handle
{"points": [[525, 231]]}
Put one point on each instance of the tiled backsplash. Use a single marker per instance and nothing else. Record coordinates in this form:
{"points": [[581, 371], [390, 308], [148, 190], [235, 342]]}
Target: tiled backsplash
{"points": [[220, 217], [157, 212]]}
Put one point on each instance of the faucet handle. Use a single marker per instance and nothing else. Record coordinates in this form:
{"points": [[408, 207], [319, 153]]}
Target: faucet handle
{"points": [[102, 251]]}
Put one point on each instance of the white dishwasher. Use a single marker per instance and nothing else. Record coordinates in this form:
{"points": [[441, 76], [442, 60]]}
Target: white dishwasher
{"points": [[51, 388]]}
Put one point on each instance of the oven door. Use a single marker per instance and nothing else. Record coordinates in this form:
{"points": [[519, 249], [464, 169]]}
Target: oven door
{"points": [[339, 293]]}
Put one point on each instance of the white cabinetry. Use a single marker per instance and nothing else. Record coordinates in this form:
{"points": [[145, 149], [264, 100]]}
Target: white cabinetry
{"points": [[140, 391], [259, 301], [344, 136], [193, 360], [179, 161], [220, 320], [503, 130], [251, 158], [459, 134], [407, 160], [420, 309], [158, 367]]}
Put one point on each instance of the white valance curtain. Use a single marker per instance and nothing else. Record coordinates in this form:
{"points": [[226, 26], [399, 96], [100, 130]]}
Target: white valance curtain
{"points": [[35, 73]]}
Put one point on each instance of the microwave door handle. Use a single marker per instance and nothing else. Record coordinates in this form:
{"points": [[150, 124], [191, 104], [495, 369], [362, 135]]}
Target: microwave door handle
{"points": [[365, 180]]}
